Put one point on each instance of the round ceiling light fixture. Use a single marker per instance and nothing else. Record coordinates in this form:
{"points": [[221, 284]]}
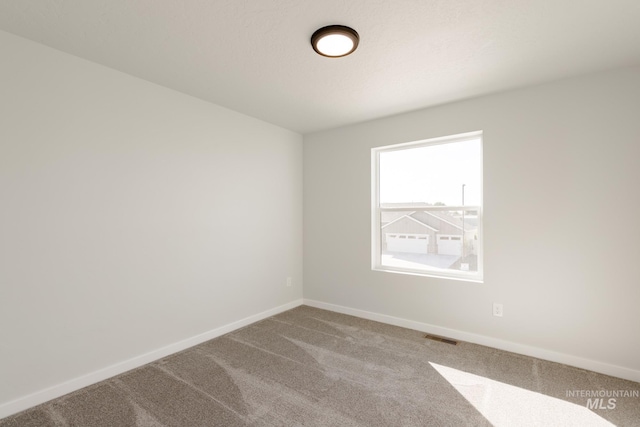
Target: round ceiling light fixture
{"points": [[335, 41]]}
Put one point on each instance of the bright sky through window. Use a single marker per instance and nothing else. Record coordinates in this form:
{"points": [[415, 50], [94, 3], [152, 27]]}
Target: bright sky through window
{"points": [[432, 174]]}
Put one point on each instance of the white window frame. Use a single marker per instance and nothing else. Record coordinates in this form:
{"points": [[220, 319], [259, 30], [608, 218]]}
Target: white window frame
{"points": [[376, 210]]}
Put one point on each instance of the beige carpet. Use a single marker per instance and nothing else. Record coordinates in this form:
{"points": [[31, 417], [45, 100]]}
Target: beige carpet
{"points": [[311, 367]]}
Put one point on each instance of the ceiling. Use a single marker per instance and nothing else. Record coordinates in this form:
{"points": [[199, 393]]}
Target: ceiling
{"points": [[254, 56]]}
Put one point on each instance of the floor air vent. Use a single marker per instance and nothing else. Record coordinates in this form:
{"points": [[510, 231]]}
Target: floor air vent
{"points": [[441, 339]]}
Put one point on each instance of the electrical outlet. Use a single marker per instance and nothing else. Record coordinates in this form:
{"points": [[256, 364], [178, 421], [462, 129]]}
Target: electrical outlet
{"points": [[289, 281], [497, 309]]}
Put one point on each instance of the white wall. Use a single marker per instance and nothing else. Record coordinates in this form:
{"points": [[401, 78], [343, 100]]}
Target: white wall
{"points": [[131, 217], [561, 221]]}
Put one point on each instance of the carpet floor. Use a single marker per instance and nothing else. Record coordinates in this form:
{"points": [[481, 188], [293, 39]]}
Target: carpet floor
{"points": [[311, 367]]}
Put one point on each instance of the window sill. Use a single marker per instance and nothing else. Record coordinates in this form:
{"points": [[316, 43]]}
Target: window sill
{"points": [[462, 277]]}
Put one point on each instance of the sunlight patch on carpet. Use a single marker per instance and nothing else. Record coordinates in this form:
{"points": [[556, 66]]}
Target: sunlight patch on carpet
{"points": [[506, 405]]}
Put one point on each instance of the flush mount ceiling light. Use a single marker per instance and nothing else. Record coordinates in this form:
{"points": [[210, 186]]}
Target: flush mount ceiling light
{"points": [[335, 41]]}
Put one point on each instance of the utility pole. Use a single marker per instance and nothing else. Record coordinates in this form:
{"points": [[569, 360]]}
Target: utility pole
{"points": [[462, 259]]}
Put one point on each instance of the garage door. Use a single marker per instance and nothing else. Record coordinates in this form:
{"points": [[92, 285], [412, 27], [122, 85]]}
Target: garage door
{"points": [[411, 243], [449, 245]]}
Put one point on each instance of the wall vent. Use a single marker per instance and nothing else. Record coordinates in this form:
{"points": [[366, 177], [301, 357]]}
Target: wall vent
{"points": [[441, 339]]}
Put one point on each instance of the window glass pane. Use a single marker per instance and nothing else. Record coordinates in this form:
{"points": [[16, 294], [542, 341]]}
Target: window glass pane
{"points": [[430, 240], [433, 175]]}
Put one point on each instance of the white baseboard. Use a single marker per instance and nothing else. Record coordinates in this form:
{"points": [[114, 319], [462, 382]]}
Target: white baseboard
{"points": [[42, 396], [540, 353]]}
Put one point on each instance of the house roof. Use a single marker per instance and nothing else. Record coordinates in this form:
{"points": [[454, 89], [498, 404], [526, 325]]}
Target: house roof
{"points": [[409, 217], [443, 216], [389, 218], [255, 56]]}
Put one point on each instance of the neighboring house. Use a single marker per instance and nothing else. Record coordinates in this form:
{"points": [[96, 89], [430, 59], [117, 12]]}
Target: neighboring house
{"points": [[427, 232]]}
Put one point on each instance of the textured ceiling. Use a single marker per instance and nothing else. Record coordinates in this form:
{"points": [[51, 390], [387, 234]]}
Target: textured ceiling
{"points": [[254, 56]]}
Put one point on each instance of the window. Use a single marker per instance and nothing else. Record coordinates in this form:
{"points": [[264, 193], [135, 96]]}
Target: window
{"points": [[427, 207]]}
